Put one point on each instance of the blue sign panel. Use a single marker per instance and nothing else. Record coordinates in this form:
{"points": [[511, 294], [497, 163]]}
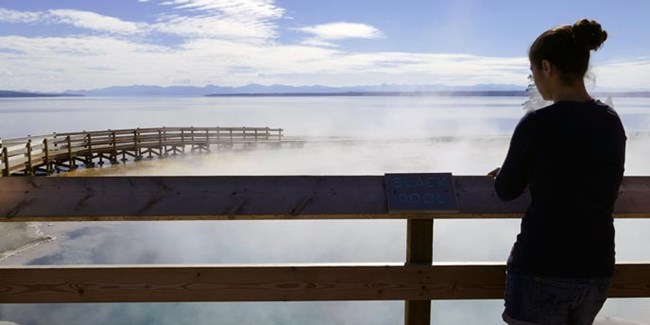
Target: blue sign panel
{"points": [[420, 193]]}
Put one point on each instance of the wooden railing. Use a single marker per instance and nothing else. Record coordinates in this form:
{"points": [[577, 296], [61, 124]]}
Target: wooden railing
{"points": [[46, 154], [417, 282]]}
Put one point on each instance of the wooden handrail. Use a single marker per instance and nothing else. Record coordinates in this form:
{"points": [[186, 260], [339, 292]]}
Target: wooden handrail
{"points": [[271, 197], [297, 282], [256, 198]]}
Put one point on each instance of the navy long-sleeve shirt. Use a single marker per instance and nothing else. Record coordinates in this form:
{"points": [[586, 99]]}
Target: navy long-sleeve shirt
{"points": [[571, 156]]}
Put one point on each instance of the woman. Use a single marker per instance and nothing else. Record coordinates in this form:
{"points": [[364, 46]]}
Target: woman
{"points": [[570, 155]]}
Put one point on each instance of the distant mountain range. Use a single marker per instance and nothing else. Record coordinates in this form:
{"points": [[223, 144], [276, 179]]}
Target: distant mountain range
{"points": [[17, 94], [284, 90]]}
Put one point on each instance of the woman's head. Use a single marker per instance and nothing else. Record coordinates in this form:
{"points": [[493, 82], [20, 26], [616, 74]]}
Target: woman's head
{"points": [[567, 48]]}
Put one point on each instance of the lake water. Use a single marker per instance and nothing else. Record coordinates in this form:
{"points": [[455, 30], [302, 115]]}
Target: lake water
{"points": [[409, 129]]}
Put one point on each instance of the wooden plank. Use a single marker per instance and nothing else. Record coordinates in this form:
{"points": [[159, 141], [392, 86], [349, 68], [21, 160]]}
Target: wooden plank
{"points": [[158, 283], [252, 197], [419, 251], [5, 162]]}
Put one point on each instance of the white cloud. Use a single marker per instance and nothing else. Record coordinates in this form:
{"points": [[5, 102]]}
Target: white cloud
{"points": [[629, 74], [223, 18], [248, 9], [254, 20], [317, 42], [13, 16], [213, 27], [94, 21], [342, 30], [77, 18], [53, 64]]}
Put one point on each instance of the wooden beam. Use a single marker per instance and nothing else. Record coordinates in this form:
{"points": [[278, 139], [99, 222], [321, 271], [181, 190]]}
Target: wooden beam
{"points": [[253, 197], [157, 283], [419, 251]]}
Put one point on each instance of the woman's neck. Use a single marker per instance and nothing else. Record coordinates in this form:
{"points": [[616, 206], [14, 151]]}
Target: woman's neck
{"points": [[575, 92]]}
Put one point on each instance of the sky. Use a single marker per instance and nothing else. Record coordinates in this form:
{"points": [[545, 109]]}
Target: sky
{"points": [[86, 44]]}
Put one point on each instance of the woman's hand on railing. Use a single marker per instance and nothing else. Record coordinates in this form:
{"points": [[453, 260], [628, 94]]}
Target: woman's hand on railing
{"points": [[494, 172]]}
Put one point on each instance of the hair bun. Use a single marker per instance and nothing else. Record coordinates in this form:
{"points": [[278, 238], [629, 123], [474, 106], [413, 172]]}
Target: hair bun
{"points": [[589, 33]]}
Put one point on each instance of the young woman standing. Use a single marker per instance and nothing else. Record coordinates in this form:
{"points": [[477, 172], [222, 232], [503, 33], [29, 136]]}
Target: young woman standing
{"points": [[570, 155]]}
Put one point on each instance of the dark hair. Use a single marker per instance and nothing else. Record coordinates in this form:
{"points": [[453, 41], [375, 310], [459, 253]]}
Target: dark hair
{"points": [[567, 47]]}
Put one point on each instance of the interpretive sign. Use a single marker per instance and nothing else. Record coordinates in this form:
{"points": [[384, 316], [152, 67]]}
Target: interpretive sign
{"points": [[420, 193]]}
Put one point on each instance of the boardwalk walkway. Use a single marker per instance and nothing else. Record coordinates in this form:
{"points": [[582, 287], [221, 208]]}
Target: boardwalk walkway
{"points": [[47, 154]]}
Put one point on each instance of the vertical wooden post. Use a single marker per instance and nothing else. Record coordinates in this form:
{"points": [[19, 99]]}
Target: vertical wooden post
{"points": [[160, 146], [114, 146], [183, 140], [89, 154], [30, 168], [71, 162], [280, 135], [192, 138], [5, 161], [419, 250], [207, 140], [46, 149], [244, 132], [136, 145], [164, 131]]}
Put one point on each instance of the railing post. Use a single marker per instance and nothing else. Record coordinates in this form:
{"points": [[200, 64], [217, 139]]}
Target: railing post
{"points": [[183, 140], [5, 161], [30, 170], [192, 138], [160, 148], [46, 148], [164, 134], [244, 132], [114, 143], [207, 140], [419, 250], [280, 135], [71, 161], [136, 145], [89, 155]]}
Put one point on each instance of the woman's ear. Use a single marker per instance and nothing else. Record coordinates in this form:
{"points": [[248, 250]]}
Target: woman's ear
{"points": [[546, 67]]}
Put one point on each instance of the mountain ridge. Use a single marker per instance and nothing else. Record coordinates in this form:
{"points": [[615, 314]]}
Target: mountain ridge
{"points": [[278, 90]]}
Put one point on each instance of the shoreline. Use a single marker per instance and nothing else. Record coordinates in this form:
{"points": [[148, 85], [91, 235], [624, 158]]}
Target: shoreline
{"points": [[23, 242], [19, 237]]}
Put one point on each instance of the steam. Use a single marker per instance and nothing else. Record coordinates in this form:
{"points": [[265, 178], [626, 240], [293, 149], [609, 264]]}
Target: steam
{"points": [[465, 136]]}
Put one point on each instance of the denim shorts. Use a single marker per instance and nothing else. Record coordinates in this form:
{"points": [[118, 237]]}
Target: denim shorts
{"points": [[531, 300]]}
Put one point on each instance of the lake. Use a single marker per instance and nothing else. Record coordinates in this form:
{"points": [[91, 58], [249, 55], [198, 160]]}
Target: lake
{"points": [[462, 135]]}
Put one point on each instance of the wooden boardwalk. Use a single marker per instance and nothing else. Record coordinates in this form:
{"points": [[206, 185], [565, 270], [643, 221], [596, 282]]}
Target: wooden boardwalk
{"points": [[47, 154], [416, 281]]}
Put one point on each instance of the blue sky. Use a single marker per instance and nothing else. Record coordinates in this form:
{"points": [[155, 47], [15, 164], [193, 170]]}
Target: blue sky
{"points": [[82, 44]]}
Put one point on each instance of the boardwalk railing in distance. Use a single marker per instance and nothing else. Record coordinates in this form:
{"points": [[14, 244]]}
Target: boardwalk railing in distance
{"points": [[416, 281], [46, 154]]}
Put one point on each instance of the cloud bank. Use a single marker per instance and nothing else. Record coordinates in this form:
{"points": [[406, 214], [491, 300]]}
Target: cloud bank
{"points": [[237, 42]]}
